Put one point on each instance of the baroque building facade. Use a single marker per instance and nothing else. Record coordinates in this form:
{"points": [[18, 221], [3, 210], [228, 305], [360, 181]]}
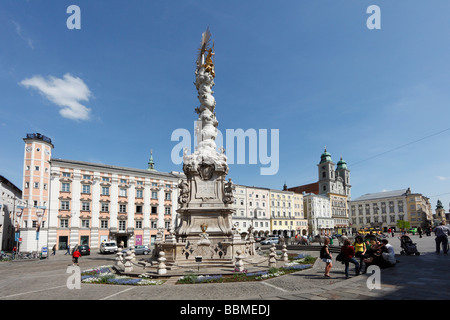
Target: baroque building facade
{"points": [[383, 209], [73, 202]]}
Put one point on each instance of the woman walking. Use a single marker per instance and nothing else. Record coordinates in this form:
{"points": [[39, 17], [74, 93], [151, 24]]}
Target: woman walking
{"points": [[326, 257], [349, 256]]}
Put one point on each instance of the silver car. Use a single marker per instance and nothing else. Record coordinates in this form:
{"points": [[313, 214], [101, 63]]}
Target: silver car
{"points": [[139, 250], [270, 241]]}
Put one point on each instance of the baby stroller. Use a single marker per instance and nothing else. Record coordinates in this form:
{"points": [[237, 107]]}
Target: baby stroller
{"points": [[408, 247]]}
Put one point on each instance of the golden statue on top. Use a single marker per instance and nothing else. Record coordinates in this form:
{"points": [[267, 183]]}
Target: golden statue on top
{"points": [[206, 62]]}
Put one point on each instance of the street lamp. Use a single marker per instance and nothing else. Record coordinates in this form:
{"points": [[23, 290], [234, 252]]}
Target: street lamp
{"points": [[38, 225]]}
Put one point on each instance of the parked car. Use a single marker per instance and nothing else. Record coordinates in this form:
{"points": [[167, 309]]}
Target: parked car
{"points": [[108, 247], [138, 250], [142, 250], [271, 240], [84, 250]]}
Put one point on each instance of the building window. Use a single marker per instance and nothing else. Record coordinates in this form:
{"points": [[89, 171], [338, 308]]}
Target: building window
{"points": [[167, 210], [66, 174], [139, 183], [139, 224], [86, 177], [122, 225], [139, 194], [64, 223], [85, 206], [123, 181], [104, 224], [64, 205], [138, 209], [105, 206], [36, 185], [105, 179], [154, 209], [105, 191], [86, 188], [167, 196], [123, 208], [154, 195], [154, 224], [65, 187], [123, 192], [85, 223]]}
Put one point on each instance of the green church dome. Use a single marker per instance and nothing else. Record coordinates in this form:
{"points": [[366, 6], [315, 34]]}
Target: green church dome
{"points": [[341, 164], [325, 157]]}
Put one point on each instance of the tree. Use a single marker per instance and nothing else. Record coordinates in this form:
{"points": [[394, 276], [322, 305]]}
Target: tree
{"points": [[402, 225]]}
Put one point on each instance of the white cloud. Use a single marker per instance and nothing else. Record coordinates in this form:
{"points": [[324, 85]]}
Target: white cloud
{"points": [[443, 178], [22, 36], [66, 93]]}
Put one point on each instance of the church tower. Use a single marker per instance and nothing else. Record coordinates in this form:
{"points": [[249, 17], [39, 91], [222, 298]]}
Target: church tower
{"points": [[327, 174], [440, 211], [343, 173], [151, 163]]}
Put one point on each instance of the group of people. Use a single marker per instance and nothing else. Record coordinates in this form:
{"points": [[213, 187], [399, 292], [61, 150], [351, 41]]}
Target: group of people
{"points": [[360, 253]]}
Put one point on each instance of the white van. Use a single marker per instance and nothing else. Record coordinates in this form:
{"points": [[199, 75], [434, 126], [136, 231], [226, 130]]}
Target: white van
{"points": [[108, 247]]}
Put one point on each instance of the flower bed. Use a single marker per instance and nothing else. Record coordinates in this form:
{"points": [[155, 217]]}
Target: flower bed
{"points": [[294, 266], [104, 275]]}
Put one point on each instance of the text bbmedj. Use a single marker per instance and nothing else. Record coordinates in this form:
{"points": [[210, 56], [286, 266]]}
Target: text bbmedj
{"points": [[250, 309]]}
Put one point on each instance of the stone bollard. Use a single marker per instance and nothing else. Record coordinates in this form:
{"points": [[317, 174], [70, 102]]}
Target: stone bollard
{"points": [[284, 256], [239, 263], [162, 266], [128, 265], [272, 257], [119, 260], [133, 254]]}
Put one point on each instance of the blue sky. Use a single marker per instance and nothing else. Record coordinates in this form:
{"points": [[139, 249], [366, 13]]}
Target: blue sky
{"points": [[311, 69]]}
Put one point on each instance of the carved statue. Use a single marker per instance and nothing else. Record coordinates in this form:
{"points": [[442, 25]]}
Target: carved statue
{"points": [[183, 198], [228, 192]]}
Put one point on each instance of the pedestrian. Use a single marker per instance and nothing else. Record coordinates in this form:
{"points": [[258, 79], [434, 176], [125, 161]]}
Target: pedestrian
{"points": [[349, 256], [68, 249], [14, 252], [54, 250], [419, 230], [441, 233], [326, 257], [389, 231], [75, 256], [360, 250], [389, 254]]}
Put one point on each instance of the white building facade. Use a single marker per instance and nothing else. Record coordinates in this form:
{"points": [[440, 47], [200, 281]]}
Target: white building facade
{"points": [[318, 211]]}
